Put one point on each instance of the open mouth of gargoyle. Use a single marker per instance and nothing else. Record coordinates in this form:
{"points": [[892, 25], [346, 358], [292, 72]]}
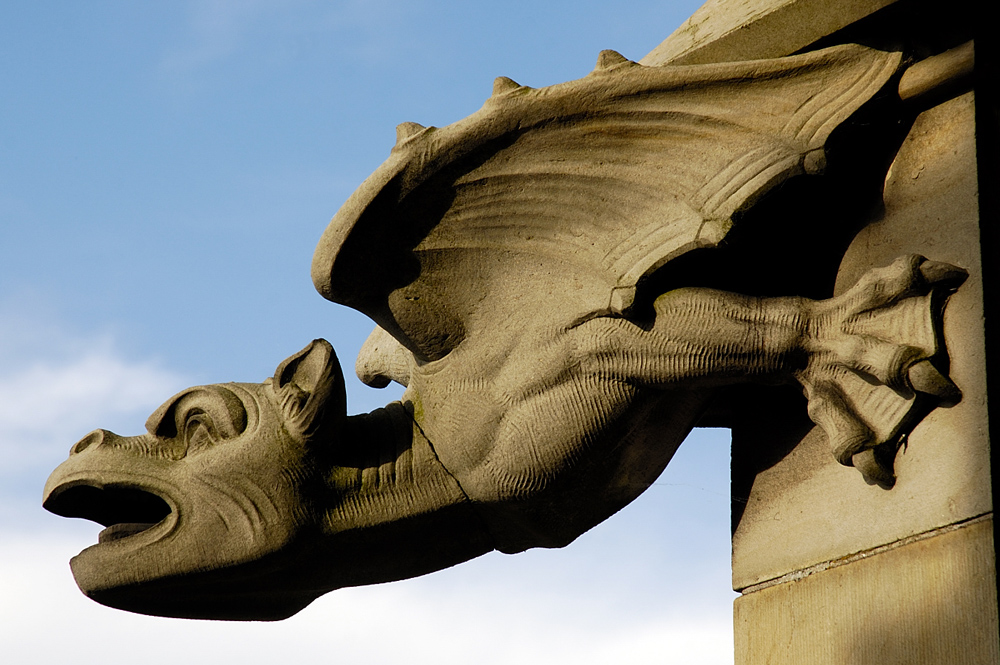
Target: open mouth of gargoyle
{"points": [[123, 510]]}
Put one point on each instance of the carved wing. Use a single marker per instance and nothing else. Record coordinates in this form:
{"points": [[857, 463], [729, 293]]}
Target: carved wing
{"points": [[593, 184]]}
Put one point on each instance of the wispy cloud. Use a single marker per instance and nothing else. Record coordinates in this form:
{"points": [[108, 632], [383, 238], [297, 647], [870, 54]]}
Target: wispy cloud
{"points": [[55, 387], [570, 605], [215, 30], [443, 619], [220, 29], [584, 604], [46, 407]]}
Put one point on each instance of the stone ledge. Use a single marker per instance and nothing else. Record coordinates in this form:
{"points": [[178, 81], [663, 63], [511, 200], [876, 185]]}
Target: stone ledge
{"points": [[731, 30], [857, 556], [928, 601]]}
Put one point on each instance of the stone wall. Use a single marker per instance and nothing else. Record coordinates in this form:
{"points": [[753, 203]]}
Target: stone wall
{"points": [[832, 570]]}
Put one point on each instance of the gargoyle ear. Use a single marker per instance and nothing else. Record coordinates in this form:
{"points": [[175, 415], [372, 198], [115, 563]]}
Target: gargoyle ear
{"points": [[310, 391]]}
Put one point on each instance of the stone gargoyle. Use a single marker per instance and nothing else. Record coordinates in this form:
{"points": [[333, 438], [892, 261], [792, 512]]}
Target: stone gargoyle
{"points": [[514, 264]]}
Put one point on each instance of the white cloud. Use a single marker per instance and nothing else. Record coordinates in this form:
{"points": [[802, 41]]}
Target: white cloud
{"points": [[48, 405], [442, 619], [626, 592]]}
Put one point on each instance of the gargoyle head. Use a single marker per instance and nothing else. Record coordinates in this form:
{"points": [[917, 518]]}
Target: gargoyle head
{"points": [[248, 501], [201, 510]]}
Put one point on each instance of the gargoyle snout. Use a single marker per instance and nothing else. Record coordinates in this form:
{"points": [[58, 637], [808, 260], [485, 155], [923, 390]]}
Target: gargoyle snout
{"points": [[142, 445]]}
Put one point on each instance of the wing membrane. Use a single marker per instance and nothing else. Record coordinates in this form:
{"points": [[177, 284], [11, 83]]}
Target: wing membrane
{"points": [[598, 181]]}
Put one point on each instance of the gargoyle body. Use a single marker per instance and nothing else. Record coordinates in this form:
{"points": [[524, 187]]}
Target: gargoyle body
{"points": [[505, 260]]}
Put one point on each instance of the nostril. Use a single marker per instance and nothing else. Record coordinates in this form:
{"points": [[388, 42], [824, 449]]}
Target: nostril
{"points": [[94, 437]]}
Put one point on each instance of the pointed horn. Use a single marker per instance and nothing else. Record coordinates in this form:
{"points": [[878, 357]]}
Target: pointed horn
{"points": [[405, 130], [608, 58], [502, 84]]}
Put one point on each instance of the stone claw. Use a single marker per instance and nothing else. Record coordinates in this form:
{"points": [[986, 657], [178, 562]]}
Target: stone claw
{"points": [[870, 353], [925, 378], [848, 435], [876, 465], [938, 273]]}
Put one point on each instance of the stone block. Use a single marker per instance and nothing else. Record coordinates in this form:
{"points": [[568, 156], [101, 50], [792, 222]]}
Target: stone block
{"points": [[815, 508], [928, 601], [732, 30]]}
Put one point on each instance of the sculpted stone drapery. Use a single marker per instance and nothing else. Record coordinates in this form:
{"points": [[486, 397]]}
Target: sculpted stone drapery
{"points": [[561, 281]]}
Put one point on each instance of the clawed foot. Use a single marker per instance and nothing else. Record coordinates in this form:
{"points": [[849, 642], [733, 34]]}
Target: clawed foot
{"points": [[870, 376]]}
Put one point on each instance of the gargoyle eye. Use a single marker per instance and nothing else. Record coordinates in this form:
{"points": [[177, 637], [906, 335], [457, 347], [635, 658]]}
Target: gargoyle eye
{"points": [[199, 431], [214, 409]]}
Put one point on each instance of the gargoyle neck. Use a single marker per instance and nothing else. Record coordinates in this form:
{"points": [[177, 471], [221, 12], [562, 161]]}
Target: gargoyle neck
{"points": [[388, 498], [388, 468]]}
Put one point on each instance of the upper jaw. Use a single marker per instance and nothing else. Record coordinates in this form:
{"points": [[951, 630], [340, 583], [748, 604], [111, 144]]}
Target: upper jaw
{"points": [[138, 506]]}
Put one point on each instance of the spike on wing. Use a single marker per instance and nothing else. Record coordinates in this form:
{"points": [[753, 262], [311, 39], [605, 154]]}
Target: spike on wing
{"points": [[596, 183], [502, 84], [405, 130], [609, 59]]}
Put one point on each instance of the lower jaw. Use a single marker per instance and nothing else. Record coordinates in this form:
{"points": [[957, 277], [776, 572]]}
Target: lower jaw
{"points": [[123, 530]]}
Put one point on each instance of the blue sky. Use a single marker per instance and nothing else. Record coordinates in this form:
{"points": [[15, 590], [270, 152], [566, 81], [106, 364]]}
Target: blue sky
{"points": [[166, 170]]}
